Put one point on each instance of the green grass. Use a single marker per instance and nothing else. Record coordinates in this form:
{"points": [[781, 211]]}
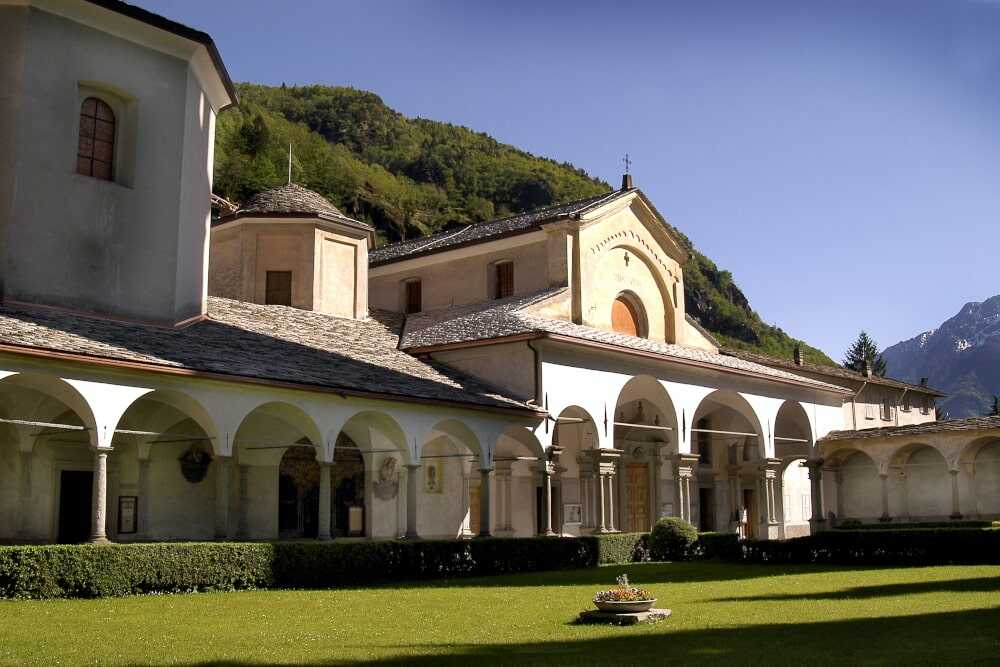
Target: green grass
{"points": [[733, 614]]}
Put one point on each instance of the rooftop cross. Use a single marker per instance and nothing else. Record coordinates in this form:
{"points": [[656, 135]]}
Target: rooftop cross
{"points": [[628, 163]]}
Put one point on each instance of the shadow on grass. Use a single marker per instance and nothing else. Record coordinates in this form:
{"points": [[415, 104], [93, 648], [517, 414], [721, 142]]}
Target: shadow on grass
{"points": [[971, 585], [965, 637]]}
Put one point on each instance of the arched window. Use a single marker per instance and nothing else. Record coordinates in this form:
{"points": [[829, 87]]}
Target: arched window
{"points": [[628, 316], [95, 155]]}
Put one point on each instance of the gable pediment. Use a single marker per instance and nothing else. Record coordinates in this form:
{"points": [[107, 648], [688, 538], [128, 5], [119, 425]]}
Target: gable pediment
{"points": [[645, 216]]}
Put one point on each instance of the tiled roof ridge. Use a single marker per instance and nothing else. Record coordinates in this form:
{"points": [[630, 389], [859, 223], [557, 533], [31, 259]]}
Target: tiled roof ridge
{"points": [[388, 252], [830, 371], [944, 425]]}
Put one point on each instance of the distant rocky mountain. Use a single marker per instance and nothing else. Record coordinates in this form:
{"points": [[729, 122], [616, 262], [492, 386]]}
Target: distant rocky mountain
{"points": [[961, 357]]}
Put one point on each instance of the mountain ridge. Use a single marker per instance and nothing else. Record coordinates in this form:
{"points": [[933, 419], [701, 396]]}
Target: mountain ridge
{"points": [[410, 177], [961, 357]]}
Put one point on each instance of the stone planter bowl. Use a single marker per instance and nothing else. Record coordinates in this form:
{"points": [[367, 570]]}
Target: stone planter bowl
{"points": [[633, 607]]}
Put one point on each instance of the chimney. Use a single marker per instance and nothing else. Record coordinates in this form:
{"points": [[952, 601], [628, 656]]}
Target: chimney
{"points": [[866, 369], [797, 355], [923, 382], [626, 182]]}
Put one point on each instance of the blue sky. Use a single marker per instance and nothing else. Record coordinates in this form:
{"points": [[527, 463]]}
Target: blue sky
{"points": [[842, 159]]}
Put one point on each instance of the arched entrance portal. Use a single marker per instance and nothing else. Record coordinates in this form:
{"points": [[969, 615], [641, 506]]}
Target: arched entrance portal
{"points": [[348, 484], [298, 493]]}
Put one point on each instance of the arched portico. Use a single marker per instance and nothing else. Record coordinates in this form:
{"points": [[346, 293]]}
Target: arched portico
{"points": [[371, 452], [920, 484], [738, 484], [576, 492], [516, 460], [980, 461], [646, 432], [48, 462], [859, 485], [450, 460], [800, 496], [261, 442]]}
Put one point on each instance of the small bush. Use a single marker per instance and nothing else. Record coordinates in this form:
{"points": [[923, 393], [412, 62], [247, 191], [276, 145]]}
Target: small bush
{"points": [[672, 539], [719, 546]]}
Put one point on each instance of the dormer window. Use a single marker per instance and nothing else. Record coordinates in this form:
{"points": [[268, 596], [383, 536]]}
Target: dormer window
{"points": [[95, 155], [504, 280], [413, 295], [278, 288]]}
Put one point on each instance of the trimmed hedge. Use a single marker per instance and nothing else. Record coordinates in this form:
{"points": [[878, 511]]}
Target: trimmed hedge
{"points": [[125, 569], [857, 525], [923, 546]]}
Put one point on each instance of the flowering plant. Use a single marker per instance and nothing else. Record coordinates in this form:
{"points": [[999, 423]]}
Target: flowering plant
{"points": [[623, 593]]}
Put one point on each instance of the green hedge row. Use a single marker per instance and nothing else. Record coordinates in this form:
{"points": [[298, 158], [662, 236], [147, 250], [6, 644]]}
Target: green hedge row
{"points": [[124, 569], [857, 525], [923, 546]]}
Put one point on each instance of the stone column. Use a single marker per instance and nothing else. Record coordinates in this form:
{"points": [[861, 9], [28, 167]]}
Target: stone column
{"points": [[816, 521], [585, 518], [838, 477], [611, 502], [546, 527], [602, 527], [243, 527], [324, 532], [485, 511], [222, 496], [684, 467], [144, 527], [412, 484], [885, 497], [956, 503], [99, 506], [769, 506], [24, 503]]}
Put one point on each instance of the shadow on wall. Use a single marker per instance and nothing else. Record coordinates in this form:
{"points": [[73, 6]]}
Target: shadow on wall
{"points": [[944, 638]]}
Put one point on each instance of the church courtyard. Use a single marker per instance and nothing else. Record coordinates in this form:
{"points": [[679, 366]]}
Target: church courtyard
{"points": [[723, 613]]}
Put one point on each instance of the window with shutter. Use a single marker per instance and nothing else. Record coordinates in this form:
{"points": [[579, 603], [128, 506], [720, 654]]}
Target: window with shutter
{"points": [[95, 151], [414, 297], [278, 288], [504, 280]]}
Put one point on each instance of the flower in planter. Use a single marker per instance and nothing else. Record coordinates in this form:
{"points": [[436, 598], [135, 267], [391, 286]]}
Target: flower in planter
{"points": [[624, 592]]}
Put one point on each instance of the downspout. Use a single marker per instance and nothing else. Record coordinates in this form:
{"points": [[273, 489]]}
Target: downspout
{"points": [[854, 404], [537, 400]]}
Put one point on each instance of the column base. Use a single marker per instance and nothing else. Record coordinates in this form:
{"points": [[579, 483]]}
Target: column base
{"points": [[324, 538], [412, 538], [99, 540], [885, 518], [955, 516]]}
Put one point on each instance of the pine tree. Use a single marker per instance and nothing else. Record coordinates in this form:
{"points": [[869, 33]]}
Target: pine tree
{"points": [[865, 349], [995, 411]]}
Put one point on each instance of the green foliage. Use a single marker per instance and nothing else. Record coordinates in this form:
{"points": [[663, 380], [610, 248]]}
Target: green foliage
{"points": [[410, 177], [915, 546], [863, 350], [718, 546], [995, 408], [854, 524], [672, 539]]}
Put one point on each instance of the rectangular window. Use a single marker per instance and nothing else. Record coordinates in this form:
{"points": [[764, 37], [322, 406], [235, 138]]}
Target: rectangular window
{"points": [[869, 410], [906, 403], [925, 406], [278, 288], [505, 280], [886, 407], [414, 297]]}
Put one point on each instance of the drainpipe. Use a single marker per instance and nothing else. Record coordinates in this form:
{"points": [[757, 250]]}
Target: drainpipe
{"points": [[537, 400]]}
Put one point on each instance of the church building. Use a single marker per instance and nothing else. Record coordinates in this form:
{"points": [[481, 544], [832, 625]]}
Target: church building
{"points": [[271, 373]]}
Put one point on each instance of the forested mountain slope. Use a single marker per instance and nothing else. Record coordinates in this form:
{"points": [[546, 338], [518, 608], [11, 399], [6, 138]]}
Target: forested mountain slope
{"points": [[410, 176]]}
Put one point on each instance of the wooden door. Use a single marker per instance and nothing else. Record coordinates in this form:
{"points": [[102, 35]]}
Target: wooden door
{"points": [[637, 489]]}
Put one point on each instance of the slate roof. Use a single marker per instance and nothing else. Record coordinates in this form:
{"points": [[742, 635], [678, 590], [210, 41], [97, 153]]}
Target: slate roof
{"points": [[482, 231], [969, 424], [513, 316], [248, 340], [290, 200], [838, 372]]}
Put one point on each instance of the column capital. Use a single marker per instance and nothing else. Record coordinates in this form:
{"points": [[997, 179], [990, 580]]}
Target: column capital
{"points": [[686, 464], [413, 466]]}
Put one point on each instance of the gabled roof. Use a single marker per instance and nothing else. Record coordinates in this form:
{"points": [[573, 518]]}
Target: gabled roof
{"points": [[491, 229], [950, 425], [495, 321], [251, 342], [833, 372]]}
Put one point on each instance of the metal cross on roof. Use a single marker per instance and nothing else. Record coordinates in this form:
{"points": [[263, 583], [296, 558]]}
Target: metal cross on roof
{"points": [[628, 163]]}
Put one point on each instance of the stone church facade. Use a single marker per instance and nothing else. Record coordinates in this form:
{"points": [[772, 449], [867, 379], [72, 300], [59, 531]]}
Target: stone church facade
{"points": [[166, 375]]}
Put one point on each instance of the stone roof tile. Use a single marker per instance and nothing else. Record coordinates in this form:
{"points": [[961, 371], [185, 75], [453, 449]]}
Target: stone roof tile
{"points": [[275, 343], [513, 316], [950, 425]]}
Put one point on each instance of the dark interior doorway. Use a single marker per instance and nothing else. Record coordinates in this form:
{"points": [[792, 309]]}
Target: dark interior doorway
{"points": [[706, 510], [76, 488], [540, 509]]}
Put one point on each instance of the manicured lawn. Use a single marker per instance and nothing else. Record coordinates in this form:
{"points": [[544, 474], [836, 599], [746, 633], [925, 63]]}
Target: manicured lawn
{"points": [[723, 613]]}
